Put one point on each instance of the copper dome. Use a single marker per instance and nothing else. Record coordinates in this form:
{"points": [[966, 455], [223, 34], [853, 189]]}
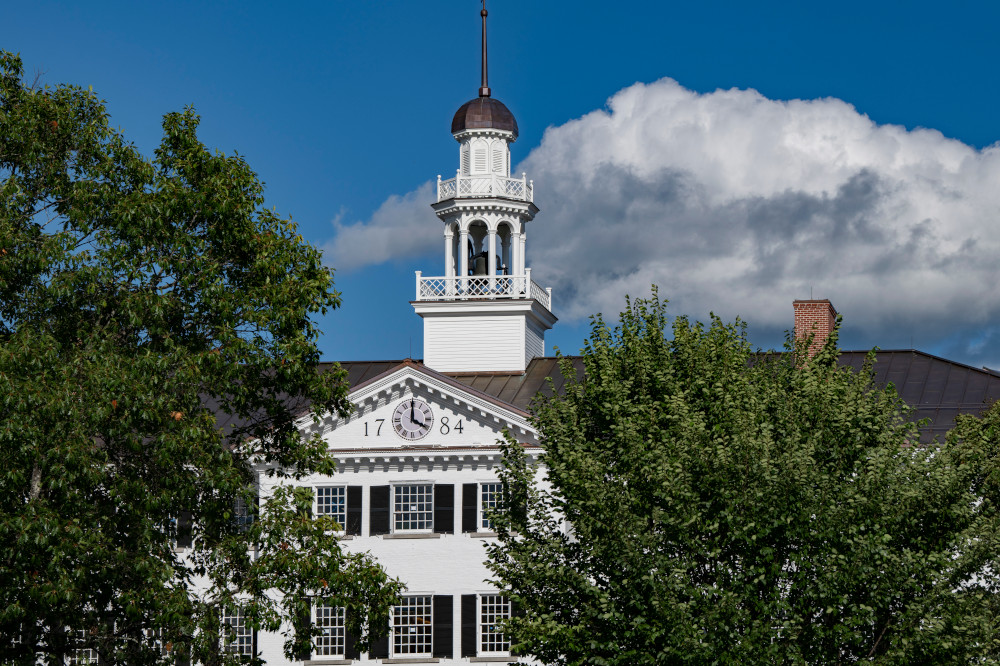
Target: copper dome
{"points": [[484, 113]]}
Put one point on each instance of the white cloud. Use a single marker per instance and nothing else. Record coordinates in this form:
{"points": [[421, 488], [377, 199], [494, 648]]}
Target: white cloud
{"points": [[402, 227], [736, 203]]}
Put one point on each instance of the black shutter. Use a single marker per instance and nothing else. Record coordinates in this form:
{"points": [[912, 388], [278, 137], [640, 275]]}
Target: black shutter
{"points": [[444, 509], [350, 640], [442, 636], [470, 498], [378, 512], [184, 538], [353, 525], [380, 646], [515, 611], [304, 613], [470, 628]]}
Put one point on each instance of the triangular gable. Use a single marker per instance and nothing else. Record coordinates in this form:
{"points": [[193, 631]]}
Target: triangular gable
{"points": [[463, 417]]}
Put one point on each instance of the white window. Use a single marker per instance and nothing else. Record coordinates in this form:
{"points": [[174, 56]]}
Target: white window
{"points": [[83, 656], [413, 508], [465, 159], [493, 609], [18, 638], [154, 637], [243, 514], [489, 498], [331, 501], [412, 627], [330, 620], [237, 635]]}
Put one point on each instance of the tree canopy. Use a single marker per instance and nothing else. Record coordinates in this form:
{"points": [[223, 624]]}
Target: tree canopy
{"points": [[702, 502], [156, 344]]}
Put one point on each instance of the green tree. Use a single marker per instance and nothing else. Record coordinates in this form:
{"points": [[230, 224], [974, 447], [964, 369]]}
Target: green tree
{"points": [[156, 345], [702, 502]]}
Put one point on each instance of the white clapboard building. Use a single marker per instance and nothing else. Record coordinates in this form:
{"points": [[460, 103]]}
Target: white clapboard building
{"points": [[417, 460]]}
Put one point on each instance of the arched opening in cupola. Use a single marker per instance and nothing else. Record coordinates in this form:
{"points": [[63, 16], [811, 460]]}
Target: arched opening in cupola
{"points": [[478, 254], [505, 254]]}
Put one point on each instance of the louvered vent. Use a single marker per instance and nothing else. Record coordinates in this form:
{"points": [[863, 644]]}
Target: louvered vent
{"points": [[479, 158], [465, 158], [498, 158]]}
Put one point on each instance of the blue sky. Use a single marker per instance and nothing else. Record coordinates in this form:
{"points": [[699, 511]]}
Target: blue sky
{"points": [[703, 173]]}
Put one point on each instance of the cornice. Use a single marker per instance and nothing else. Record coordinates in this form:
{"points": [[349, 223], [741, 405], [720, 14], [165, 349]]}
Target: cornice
{"points": [[484, 131], [484, 204]]}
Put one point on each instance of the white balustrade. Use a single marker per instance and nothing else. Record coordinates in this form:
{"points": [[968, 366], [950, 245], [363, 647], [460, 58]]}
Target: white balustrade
{"points": [[486, 185], [481, 287]]}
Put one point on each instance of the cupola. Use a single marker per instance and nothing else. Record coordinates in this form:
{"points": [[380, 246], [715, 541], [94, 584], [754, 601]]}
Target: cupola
{"points": [[485, 314]]}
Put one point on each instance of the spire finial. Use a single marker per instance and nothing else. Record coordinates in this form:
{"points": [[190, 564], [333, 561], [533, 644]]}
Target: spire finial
{"points": [[484, 89]]}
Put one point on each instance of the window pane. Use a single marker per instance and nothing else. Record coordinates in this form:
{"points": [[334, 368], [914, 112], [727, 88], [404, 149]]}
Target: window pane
{"points": [[82, 656], [237, 636], [154, 637], [332, 501], [243, 514], [493, 608], [413, 507], [490, 499], [330, 619], [411, 626]]}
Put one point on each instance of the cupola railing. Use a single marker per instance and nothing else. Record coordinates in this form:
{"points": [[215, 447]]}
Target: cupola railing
{"points": [[486, 185], [482, 287]]}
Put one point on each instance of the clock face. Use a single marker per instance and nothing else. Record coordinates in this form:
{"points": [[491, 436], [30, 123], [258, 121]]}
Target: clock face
{"points": [[412, 419]]}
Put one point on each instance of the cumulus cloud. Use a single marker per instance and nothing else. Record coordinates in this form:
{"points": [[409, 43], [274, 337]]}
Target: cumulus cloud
{"points": [[402, 227], [737, 203]]}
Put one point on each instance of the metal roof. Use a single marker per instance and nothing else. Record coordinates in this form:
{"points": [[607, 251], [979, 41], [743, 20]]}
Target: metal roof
{"points": [[484, 113], [937, 389]]}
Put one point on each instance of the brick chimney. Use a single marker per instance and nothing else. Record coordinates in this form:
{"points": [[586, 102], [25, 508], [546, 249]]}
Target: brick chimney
{"points": [[814, 317]]}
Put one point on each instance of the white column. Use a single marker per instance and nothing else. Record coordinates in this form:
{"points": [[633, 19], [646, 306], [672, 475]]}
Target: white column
{"points": [[463, 256], [521, 258], [449, 255], [491, 260], [449, 262], [515, 253]]}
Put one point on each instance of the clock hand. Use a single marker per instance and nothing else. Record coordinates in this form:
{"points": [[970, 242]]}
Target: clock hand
{"points": [[411, 410]]}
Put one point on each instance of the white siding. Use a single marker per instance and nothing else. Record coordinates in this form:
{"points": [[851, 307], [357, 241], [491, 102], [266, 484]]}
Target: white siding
{"points": [[450, 564], [534, 342], [481, 343]]}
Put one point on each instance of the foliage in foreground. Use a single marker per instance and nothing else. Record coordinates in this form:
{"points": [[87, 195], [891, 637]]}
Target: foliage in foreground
{"points": [[704, 503], [139, 299]]}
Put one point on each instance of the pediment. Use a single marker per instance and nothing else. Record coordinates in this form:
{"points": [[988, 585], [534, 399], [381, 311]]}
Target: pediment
{"points": [[461, 418]]}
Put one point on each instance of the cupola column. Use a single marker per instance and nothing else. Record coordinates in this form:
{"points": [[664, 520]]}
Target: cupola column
{"points": [[449, 254], [492, 259], [515, 254], [463, 255], [520, 254]]}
